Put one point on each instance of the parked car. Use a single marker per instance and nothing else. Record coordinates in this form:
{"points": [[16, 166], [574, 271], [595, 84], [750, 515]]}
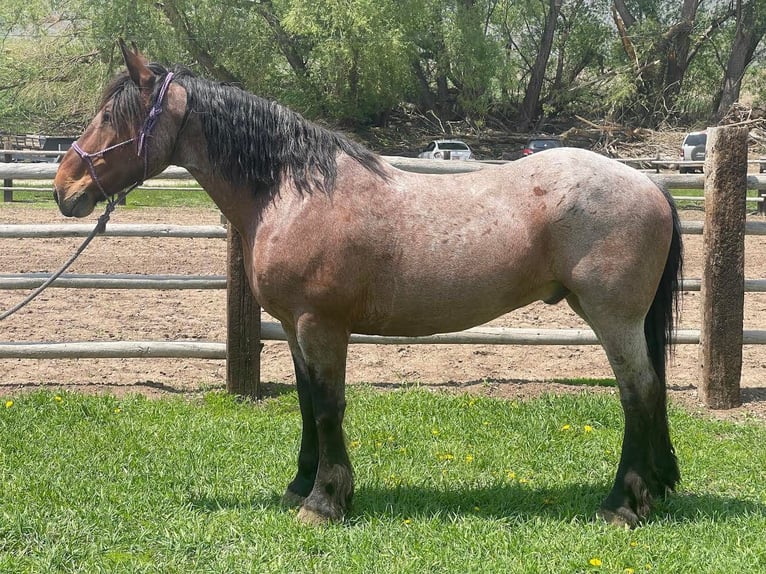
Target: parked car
{"points": [[537, 144], [446, 149], [693, 149]]}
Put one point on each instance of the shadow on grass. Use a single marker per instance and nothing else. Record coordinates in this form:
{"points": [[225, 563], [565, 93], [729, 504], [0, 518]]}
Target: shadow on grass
{"points": [[578, 502], [573, 502]]}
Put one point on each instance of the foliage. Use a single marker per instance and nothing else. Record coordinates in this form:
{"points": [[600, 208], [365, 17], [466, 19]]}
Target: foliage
{"points": [[444, 484], [354, 61]]}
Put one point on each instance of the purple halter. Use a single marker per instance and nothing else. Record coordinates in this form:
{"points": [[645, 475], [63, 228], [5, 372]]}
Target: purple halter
{"points": [[142, 148]]}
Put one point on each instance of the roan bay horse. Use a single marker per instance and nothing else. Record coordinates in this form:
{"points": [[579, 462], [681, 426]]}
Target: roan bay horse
{"points": [[336, 241]]}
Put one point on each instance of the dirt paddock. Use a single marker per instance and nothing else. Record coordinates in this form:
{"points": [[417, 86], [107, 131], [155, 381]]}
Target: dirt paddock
{"points": [[105, 315]]}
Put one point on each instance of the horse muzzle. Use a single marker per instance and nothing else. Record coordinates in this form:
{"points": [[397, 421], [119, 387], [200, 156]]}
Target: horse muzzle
{"points": [[77, 205]]}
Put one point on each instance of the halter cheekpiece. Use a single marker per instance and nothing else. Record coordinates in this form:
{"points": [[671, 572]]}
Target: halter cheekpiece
{"points": [[141, 148]]}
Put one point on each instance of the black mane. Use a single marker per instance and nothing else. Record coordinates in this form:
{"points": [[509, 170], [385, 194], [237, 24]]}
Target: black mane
{"points": [[250, 140]]}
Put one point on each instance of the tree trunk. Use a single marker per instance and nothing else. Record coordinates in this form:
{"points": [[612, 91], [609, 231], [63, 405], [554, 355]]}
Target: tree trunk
{"points": [[678, 43], [531, 103], [751, 27]]}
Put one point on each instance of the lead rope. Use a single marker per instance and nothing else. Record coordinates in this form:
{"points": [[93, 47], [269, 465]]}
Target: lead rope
{"points": [[99, 228]]}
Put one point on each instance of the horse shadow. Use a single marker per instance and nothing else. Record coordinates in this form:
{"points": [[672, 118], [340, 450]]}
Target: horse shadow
{"points": [[576, 502], [514, 502]]}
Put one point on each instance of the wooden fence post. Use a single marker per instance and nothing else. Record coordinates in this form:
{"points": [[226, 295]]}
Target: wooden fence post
{"points": [[723, 275], [243, 337], [8, 183]]}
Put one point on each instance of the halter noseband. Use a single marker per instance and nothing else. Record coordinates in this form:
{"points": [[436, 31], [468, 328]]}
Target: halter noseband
{"points": [[142, 148]]}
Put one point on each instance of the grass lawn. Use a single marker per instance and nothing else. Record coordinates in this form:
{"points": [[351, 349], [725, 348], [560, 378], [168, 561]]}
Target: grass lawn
{"points": [[444, 484]]}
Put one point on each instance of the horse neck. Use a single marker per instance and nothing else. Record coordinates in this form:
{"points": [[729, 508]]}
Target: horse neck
{"points": [[238, 203]]}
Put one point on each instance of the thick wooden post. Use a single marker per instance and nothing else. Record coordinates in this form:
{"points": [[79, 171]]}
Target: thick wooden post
{"points": [[723, 276], [243, 338]]}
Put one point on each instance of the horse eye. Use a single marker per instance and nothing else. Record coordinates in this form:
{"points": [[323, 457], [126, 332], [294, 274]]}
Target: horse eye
{"points": [[106, 117]]}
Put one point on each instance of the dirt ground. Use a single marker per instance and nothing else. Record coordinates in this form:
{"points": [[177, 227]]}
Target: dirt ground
{"points": [[104, 315]]}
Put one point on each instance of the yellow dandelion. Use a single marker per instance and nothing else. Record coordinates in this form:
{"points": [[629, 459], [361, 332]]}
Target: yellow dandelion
{"points": [[435, 432], [354, 444], [58, 398], [595, 562], [510, 475], [633, 543], [8, 404], [446, 456], [117, 410], [587, 428], [566, 427], [469, 458], [407, 521]]}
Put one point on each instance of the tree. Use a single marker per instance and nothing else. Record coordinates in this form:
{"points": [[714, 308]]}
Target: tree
{"points": [[530, 105], [750, 29]]}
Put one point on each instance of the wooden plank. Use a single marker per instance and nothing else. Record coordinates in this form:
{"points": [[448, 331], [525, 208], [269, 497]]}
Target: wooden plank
{"points": [[114, 350], [484, 335], [48, 171], [113, 281], [723, 278], [33, 231], [273, 331]]}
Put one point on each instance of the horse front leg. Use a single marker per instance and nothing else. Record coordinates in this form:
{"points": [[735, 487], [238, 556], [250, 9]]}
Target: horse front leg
{"points": [[323, 404], [308, 456]]}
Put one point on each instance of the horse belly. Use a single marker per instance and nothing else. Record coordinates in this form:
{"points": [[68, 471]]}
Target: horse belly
{"points": [[448, 297]]}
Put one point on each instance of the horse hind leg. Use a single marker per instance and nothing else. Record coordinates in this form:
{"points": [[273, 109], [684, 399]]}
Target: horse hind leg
{"points": [[648, 468]]}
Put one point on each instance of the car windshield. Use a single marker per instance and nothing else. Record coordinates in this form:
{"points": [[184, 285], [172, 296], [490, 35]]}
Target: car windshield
{"points": [[453, 145], [696, 139], [544, 144]]}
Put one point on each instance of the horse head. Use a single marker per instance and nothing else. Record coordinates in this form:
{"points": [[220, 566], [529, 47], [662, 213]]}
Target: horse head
{"points": [[128, 140]]}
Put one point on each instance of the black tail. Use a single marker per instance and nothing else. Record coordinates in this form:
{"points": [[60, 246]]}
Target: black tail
{"points": [[663, 314]]}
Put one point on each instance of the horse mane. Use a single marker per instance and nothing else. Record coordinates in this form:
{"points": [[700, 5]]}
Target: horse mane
{"points": [[250, 140]]}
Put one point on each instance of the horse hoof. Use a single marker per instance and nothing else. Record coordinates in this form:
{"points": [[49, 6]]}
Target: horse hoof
{"points": [[311, 518], [622, 517], [292, 500]]}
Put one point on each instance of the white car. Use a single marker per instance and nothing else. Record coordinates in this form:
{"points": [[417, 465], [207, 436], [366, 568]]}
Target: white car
{"points": [[446, 149], [693, 149]]}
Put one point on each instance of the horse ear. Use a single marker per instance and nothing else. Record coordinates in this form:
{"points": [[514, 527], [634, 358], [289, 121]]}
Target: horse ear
{"points": [[137, 65]]}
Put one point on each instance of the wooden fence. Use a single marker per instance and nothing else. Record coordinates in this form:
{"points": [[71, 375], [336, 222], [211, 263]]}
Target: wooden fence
{"points": [[245, 330]]}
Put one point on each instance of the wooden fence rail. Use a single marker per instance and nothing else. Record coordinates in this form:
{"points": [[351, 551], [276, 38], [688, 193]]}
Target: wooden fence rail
{"points": [[273, 331]]}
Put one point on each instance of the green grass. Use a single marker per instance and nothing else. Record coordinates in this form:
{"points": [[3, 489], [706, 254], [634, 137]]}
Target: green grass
{"points": [[179, 196], [700, 205], [444, 484]]}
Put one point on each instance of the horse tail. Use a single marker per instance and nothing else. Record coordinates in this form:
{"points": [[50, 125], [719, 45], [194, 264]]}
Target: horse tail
{"points": [[663, 313]]}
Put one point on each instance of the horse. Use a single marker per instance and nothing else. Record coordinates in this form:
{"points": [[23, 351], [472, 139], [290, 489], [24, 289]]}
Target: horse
{"points": [[337, 241]]}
